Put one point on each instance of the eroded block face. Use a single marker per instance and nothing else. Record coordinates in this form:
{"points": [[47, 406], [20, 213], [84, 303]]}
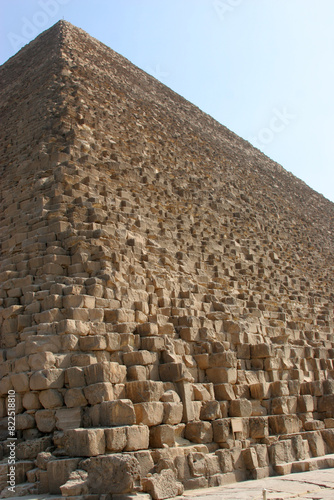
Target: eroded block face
{"points": [[166, 300]]}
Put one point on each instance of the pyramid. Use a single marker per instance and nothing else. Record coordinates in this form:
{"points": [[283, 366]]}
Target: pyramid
{"points": [[166, 293]]}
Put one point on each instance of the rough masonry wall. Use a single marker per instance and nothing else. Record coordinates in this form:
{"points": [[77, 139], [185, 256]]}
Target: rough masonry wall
{"points": [[166, 289]]}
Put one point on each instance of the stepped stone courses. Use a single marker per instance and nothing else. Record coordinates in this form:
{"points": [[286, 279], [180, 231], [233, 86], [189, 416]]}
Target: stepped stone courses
{"points": [[166, 300]]}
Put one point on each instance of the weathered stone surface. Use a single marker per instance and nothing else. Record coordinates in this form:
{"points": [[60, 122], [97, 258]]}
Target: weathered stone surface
{"points": [[59, 472], [150, 413], [199, 432], [84, 442], [112, 473], [120, 412], [163, 485]]}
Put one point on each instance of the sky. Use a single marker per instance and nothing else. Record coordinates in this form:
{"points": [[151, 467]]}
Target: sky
{"points": [[262, 68]]}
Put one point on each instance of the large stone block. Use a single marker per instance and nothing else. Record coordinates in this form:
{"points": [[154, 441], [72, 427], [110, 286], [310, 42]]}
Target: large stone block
{"points": [[74, 398], [84, 442], [222, 375], [161, 436], [51, 398], [68, 418], [140, 391], [119, 412], [97, 393], [139, 358], [52, 378], [112, 474], [149, 413], [105, 372], [284, 424], [240, 408], [199, 432], [163, 485], [137, 437], [116, 438], [45, 420], [59, 472], [222, 430], [173, 413]]}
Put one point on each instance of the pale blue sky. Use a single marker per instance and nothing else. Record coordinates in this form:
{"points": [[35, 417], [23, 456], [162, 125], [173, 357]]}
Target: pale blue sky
{"points": [[263, 68]]}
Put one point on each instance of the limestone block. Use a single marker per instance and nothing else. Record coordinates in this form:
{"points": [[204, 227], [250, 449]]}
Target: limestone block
{"points": [[260, 351], [262, 457], [222, 375], [260, 390], [79, 301], [76, 485], [221, 430], [328, 437], [258, 428], [71, 326], [326, 404], [153, 344], [199, 432], [140, 358], [137, 437], [201, 393], [30, 401], [28, 450], [20, 382], [284, 424], [173, 372], [68, 418], [166, 329], [240, 408], [116, 438], [210, 410], [24, 421], [51, 398], [120, 412], [52, 378], [144, 390], [42, 343], [45, 420], [202, 360], [149, 413], [93, 343], [224, 392], [147, 329], [163, 485], [173, 413], [225, 460], [161, 436], [137, 373], [114, 474], [97, 393], [105, 372], [69, 342], [250, 458], [113, 342], [84, 442], [59, 472], [170, 396], [197, 464], [281, 452], [74, 398], [314, 425], [5, 386], [279, 388], [316, 443], [225, 359], [212, 464], [74, 377]]}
